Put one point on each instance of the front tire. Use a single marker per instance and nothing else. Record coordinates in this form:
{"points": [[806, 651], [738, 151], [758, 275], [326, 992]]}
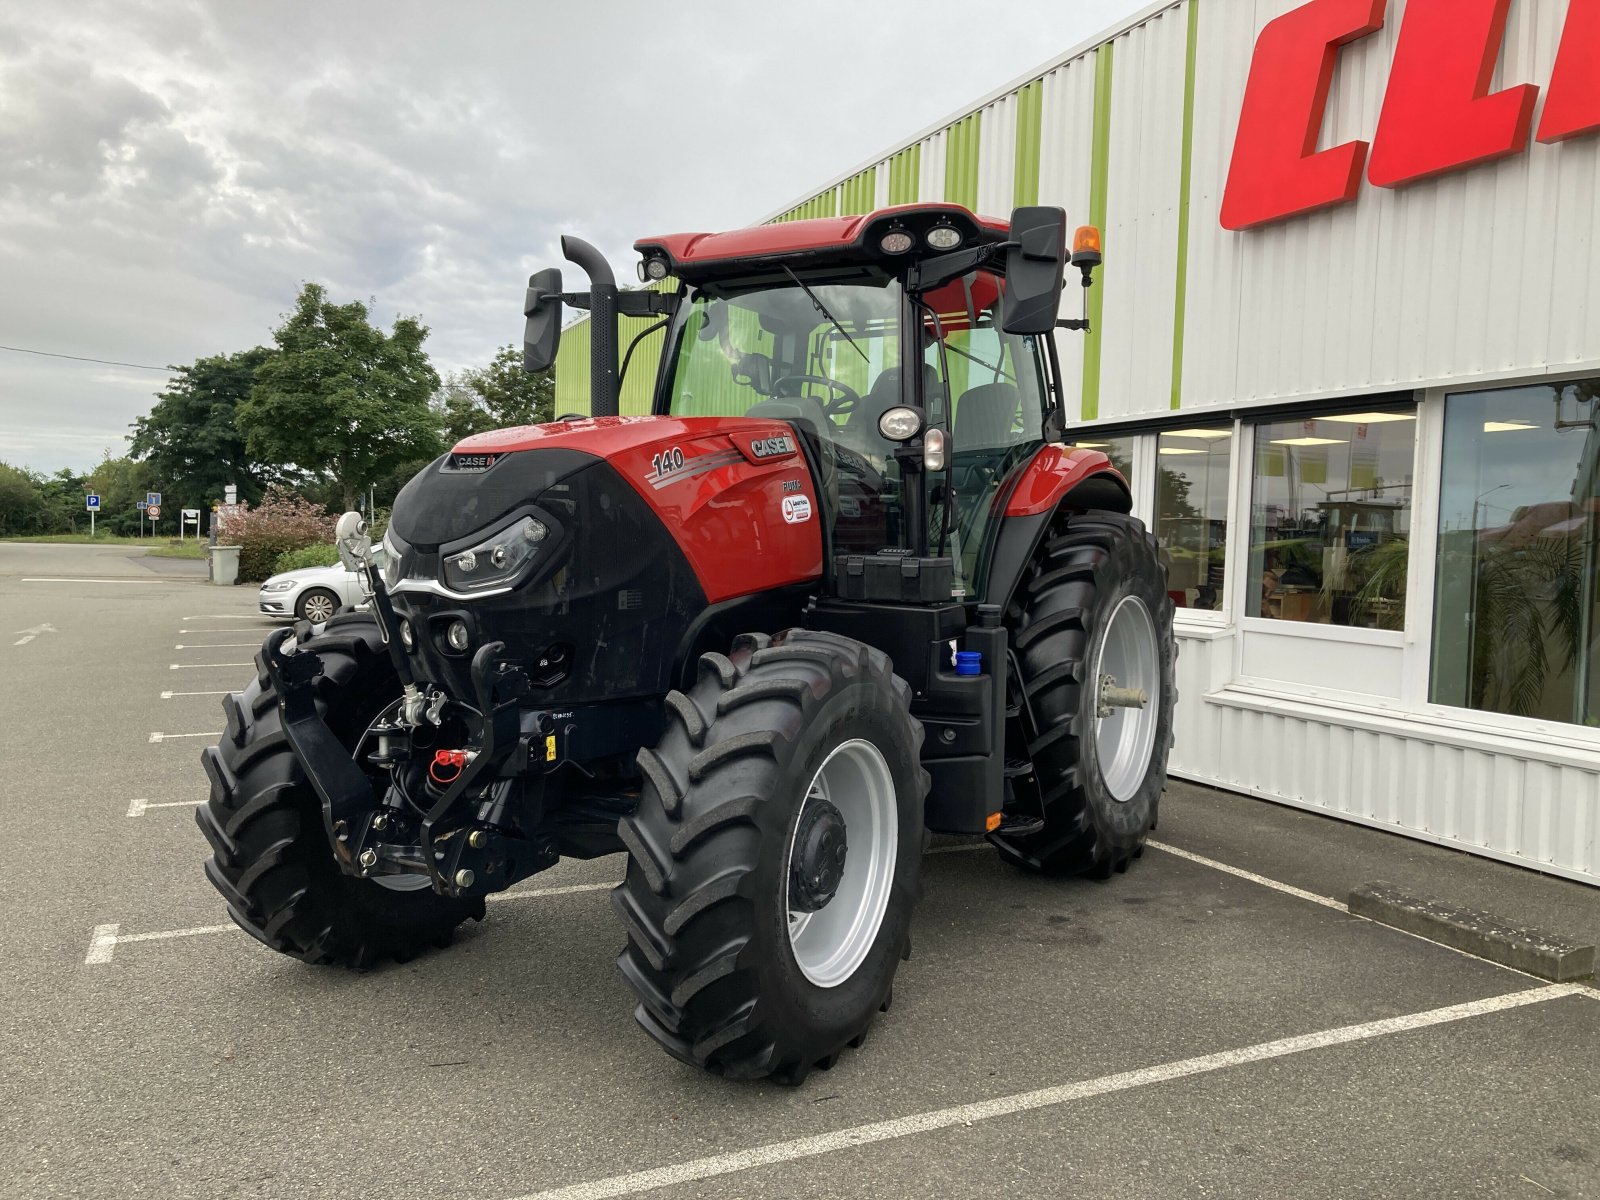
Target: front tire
{"points": [[318, 606], [785, 751], [1091, 608], [270, 854]]}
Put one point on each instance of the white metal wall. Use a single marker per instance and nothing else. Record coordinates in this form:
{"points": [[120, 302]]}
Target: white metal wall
{"points": [[1067, 118], [1486, 272], [1521, 800], [1144, 179]]}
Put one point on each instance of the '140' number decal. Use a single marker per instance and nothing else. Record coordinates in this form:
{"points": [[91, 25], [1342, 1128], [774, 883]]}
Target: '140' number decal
{"points": [[666, 462]]}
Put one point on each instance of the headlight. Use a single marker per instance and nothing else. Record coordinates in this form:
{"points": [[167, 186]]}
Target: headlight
{"points": [[498, 559], [391, 562], [900, 424], [283, 585]]}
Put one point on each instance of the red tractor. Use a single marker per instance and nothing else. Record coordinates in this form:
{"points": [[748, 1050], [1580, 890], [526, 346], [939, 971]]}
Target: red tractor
{"points": [[846, 585]]}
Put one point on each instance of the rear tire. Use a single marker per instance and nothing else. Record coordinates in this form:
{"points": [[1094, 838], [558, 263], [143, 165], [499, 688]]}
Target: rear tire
{"points": [[1095, 589], [270, 854], [723, 980]]}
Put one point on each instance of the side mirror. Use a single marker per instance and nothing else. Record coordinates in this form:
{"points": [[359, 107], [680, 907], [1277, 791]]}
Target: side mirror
{"points": [[541, 336], [1035, 268]]}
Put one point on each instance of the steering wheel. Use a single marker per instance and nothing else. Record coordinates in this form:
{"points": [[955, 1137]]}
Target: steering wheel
{"points": [[843, 403]]}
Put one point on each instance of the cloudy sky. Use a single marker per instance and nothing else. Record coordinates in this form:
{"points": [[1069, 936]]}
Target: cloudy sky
{"points": [[170, 172]]}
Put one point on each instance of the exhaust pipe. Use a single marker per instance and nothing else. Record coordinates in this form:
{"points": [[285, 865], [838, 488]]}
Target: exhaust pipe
{"points": [[604, 399]]}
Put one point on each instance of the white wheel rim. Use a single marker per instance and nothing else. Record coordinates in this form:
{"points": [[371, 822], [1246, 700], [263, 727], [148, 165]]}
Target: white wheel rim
{"points": [[829, 945], [1125, 738]]}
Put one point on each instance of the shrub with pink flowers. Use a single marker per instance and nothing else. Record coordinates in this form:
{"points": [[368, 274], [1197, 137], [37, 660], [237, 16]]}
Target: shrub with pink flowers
{"points": [[280, 523]]}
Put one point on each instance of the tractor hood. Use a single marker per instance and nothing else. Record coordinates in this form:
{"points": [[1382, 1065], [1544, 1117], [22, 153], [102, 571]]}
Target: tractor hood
{"points": [[604, 437]]}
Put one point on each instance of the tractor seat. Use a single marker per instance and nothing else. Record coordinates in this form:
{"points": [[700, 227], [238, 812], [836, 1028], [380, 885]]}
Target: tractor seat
{"points": [[884, 394], [986, 417]]}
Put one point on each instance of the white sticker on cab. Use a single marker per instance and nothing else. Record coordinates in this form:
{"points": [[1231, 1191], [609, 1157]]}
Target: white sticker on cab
{"points": [[796, 509]]}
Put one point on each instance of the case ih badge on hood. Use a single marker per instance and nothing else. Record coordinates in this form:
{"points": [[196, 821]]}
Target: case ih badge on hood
{"points": [[772, 447], [759, 640]]}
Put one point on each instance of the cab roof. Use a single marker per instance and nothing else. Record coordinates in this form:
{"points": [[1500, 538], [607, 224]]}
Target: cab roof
{"points": [[695, 256]]}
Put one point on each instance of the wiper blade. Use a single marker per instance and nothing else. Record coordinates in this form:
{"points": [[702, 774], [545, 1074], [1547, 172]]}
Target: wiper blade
{"points": [[823, 309], [997, 368]]}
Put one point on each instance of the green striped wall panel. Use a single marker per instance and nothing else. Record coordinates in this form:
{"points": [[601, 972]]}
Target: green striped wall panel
{"points": [[961, 161]]}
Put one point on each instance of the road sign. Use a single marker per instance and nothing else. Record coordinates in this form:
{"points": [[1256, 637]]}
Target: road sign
{"points": [[141, 505], [155, 512], [92, 502], [153, 499]]}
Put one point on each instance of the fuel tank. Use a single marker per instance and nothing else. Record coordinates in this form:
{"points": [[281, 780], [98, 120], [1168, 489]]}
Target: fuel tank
{"points": [[645, 527]]}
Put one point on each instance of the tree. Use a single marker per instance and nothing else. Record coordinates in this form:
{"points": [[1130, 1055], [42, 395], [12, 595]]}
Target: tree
{"points": [[121, 483], [495, 397], [22, 504], [62, 494], [341, 399], [191, 441]]}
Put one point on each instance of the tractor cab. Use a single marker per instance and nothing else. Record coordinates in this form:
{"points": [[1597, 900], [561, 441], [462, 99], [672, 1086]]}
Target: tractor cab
{"points": [[892, 343]]}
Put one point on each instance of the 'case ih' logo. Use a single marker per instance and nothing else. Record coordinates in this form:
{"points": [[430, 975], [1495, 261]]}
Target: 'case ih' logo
{"points": [[772, 447], [473, 462], [1438, 112]]}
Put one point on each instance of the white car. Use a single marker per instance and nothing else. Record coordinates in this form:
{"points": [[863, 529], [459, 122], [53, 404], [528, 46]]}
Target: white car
{"points": [[314, 593]]}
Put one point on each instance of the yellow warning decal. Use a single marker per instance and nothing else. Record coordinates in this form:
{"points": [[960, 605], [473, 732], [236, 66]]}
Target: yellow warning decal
{"points": [[550, 748]]}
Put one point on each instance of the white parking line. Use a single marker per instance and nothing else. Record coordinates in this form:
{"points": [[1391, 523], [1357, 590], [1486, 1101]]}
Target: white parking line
{"points": [[162, 737], [219, 646], [235, 629], [223, 617], [1050, 1097], [1286, 889], [201, 666], [170, 695], [137, 808], [106, 938], [102, 944], [72, 579]]}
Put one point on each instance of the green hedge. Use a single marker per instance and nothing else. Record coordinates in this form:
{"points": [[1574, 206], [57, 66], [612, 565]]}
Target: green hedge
{"points": [[321, 555]]}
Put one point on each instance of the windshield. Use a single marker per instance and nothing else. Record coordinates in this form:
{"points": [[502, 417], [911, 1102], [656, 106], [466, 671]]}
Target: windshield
{"points": [[825, 356]]}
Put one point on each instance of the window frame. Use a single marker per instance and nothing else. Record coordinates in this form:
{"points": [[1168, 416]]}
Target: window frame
{"points": [[1220, 617], [1420, 620], [1245, 496]]}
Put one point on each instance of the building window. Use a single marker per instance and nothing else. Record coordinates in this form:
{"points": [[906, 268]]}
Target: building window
{"points": [[1515, 613], [1119, 450], [1192, 468], [1330, 518]]}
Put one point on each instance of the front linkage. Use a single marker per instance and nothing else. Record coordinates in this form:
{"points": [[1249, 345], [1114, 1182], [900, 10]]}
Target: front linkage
{"points": [[453, 814]]}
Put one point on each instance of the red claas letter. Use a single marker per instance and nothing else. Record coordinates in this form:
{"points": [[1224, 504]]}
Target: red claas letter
{"points": [[1572, 103], [1438, 114], [1277, 171]]}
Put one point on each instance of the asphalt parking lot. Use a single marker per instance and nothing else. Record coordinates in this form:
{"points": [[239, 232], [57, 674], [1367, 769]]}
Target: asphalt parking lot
{"points": [[1211, 1024]]}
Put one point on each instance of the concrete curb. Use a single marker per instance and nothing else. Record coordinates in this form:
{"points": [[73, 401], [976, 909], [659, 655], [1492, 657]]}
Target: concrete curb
{"points": [[1523, 948]]}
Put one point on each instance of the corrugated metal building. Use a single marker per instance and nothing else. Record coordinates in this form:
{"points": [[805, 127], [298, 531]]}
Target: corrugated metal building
{"points": [[1365, 427]]}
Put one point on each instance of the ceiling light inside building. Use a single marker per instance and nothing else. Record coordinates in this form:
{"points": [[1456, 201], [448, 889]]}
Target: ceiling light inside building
{"points": [[1309, 441], [1372, 418], [1208, 435], [1180, 450], [1507, 426]]}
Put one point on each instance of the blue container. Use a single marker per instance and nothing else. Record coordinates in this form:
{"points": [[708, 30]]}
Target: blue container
{"points": [[969, 662]]}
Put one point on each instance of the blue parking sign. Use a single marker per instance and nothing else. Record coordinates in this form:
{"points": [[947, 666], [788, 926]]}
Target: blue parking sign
{"points": [[92, 501]]}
